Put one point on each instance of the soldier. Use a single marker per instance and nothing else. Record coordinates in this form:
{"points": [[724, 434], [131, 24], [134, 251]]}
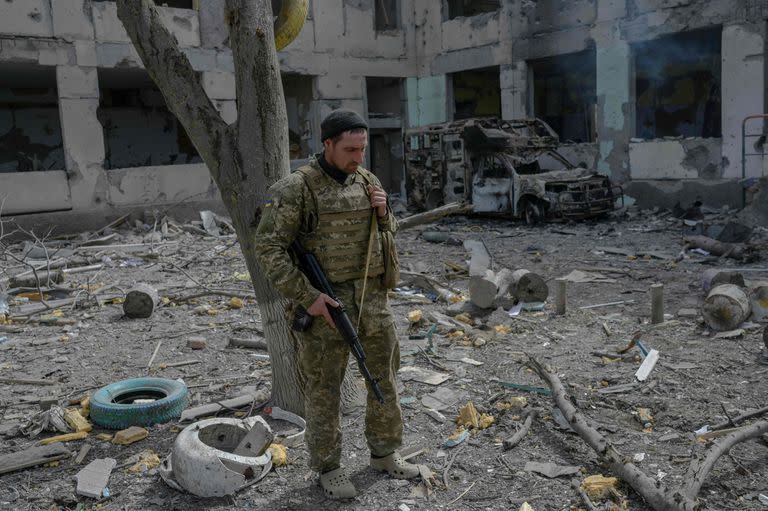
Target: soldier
{"points": [[327, 206]]}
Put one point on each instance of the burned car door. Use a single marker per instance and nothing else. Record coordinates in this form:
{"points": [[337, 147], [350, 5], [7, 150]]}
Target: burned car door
{"points": [[491, 184]]}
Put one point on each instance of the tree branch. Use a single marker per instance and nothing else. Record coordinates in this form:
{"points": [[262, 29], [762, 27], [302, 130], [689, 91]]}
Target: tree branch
{"points": [[700, 468], [170, 69], [658, 496]]}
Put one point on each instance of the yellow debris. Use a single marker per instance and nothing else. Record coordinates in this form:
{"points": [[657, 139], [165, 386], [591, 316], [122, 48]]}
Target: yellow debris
{"points": [[33, 296], [470, 418], [464, 318], [165, 300], [236, 303], [76, 421], [515, 402], [58, 313], [526, 507], [104, 436], [456, 434], [212, 312], [67, 437], [85, 406], [456, 298], [147, 461], [456, 333], [502, 329], [279, 455], [415, 316], [599, 486], [130, 435]]}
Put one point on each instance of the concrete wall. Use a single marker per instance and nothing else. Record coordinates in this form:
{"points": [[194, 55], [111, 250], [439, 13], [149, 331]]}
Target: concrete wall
{"points": [[338, 48]]}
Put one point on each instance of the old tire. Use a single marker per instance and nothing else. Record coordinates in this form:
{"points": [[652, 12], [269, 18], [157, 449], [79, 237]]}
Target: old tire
{"points": [[112, 406], [532, 212], [291, 18]]}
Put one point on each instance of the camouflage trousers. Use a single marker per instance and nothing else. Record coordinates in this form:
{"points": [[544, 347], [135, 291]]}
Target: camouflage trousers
{"points": [[323, 357]]}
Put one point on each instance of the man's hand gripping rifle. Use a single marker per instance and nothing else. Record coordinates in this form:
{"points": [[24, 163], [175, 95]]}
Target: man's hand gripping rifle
{"points": [[309, 265]]}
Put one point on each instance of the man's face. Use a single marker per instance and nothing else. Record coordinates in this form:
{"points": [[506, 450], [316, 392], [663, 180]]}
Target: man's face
{"points": [[348, 152]]}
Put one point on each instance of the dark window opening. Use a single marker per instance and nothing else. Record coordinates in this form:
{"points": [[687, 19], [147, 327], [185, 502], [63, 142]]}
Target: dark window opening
{"points": [[677, 85], [384, 96], [139, 130], [476, 93], [387, 15], [564, 94], [457, 8], [298, 101], [30, 126]]}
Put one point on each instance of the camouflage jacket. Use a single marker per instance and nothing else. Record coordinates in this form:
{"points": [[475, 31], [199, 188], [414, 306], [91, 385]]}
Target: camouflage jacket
{"points": [[289, 214]]}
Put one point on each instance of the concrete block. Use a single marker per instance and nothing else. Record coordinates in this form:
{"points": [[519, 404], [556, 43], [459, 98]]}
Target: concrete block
{"points": [[339, 85], [77, 82], [514, 90], [71, 19], [117, 55], [92, 479], [183, 23], [462, 33], [659, 159], [156, 185], [196, 343], [213, 27], [743, 91], [130, 435], [31, 192], [107, 27], [26, 18], [203, 59], [219, 85], [228, 110], [85, 53]]}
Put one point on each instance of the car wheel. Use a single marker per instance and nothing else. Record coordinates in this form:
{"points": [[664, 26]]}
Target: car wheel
{"points": [[138, 402], [532, 213]]}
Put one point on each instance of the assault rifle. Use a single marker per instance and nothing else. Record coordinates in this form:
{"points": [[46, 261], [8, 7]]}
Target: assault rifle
{"points": [[310, 267]]}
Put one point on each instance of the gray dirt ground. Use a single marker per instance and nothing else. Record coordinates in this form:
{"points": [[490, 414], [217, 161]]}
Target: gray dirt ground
{"points": [[696, 379]]}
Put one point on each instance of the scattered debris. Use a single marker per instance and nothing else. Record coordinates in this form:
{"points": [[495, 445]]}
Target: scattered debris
{"points": [[599, 486], [583, 277], [550, 470], [67, 437], [758, 298], [714, 277], [249, 397], [145, 460], [130, 435], [456, 438], [203, 461], [92, 480], [469, 418], [647, 366], [140, 302], [279, 455], [422, 375], [32, 456], [725, 308], [196, 343], [454, 208], [515, 439]]}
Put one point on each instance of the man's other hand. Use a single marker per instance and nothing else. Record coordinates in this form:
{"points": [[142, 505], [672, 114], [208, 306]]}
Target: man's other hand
{"points": [[320, 308], [378, 200]]}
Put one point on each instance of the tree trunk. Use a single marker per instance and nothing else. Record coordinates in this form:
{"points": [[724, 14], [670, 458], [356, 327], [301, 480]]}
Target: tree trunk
{"points": [[244, 158]]}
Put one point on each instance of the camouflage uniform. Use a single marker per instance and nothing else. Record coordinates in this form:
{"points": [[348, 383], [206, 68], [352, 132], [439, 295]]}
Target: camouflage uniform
{"points": [[332, 220]]}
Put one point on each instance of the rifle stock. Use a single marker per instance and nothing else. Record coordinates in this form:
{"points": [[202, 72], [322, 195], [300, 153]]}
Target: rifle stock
{"points": [[310, 267]]}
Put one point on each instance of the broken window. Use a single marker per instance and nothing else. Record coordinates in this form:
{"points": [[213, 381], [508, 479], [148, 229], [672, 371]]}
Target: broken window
{"points": [[385, 107], [139, 130], [677, 85], [30, 126], [298, 101], [458, 8], [387, 15], [476, 93], [564, 94]]}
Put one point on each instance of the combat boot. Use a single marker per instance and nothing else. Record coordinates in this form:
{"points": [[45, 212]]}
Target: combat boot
{"points": [[395, 465], [337, 485]]}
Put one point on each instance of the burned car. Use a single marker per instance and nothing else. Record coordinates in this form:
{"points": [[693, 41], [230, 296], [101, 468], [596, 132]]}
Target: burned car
{"points": [[499, 167]]}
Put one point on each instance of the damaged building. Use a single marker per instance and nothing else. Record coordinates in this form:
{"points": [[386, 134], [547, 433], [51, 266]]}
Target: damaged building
{"points": [[652, 93]]}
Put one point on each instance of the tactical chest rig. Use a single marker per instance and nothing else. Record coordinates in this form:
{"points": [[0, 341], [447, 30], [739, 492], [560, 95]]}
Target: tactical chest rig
{"points": [[339, 241]]}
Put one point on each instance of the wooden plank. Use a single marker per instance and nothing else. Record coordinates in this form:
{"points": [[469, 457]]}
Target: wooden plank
{"points": [[32, 457]]}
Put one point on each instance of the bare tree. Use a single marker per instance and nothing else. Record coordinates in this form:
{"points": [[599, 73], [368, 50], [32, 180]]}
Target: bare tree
{"points": [[245, 157]]}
